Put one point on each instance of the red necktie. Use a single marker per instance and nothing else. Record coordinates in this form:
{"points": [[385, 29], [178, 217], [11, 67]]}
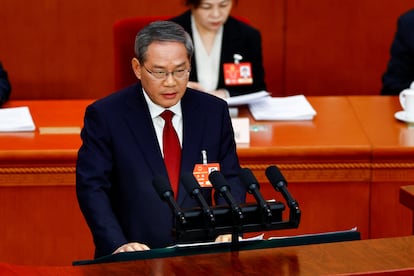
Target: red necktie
{"points": [[172, 150]]}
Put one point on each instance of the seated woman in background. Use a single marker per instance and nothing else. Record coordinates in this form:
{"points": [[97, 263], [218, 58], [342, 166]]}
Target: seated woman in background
{"points": [[5, 88], [400, 70], [228, 52]]}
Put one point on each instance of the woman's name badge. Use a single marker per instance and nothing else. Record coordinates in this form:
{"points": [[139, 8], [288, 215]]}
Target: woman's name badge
{"points": [[238, 73], [201, 172]]}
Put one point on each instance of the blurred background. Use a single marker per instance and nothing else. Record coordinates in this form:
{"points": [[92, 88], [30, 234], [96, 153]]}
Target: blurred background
{"points": [[55, 49]]}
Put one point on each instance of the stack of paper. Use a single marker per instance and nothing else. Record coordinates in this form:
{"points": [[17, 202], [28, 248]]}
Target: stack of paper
{"points": [[16, 119], [282, 108], [247, 98], [255, 238]]}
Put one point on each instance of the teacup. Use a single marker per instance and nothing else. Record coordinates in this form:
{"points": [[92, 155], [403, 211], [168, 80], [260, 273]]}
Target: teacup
{"points": [[407, 103]]}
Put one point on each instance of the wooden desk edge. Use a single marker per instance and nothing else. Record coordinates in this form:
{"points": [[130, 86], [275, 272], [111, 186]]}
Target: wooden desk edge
{"points": [[407, 196]]}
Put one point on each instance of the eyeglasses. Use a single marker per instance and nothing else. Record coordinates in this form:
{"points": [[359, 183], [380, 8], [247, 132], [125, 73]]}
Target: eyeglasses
{"points": [[163, 75]]}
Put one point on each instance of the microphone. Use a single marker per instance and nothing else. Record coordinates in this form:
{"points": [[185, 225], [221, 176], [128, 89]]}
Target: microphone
{"points": [[253, 187], [278, 182], [220, 184], [193, 188], [163, 188]]}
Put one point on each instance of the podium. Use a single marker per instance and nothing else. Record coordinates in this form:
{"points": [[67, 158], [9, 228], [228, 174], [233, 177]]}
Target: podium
{"points": [[390, 256], [209, 248]]}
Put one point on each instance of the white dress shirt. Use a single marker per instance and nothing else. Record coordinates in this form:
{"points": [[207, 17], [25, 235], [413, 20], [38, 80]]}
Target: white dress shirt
{"points": [[158, 122], [208, 65]]}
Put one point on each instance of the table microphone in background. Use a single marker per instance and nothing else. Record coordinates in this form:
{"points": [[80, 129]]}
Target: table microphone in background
{"points": [[163, 188], [253, 187], [220, 184], [193, 189]]}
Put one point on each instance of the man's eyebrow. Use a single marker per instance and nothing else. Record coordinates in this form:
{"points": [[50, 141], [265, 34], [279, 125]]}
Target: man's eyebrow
{"points": [[163, 67]]}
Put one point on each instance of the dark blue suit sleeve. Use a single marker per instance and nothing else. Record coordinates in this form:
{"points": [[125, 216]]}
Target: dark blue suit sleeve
{"points": [[400, 70], [5, 87], [93, 185]]}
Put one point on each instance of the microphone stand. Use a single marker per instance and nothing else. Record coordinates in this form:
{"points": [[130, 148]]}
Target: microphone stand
{"points": [[197, 229], [235, 234], [243, 218]]}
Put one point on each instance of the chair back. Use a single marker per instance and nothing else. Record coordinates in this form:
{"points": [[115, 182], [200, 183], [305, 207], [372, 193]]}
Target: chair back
{"points": [[125, 31]]}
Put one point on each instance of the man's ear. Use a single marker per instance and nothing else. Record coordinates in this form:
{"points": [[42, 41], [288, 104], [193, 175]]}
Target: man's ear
{"points": [[136, 67]]}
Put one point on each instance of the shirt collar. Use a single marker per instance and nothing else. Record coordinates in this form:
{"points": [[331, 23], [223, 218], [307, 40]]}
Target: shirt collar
{"points": [[155, 109]]}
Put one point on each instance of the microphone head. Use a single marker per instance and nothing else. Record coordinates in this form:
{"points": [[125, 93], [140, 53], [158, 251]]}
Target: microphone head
{"points": [[162, 186], [248, 179], [219, 182], [190, 183], [275, 176]]}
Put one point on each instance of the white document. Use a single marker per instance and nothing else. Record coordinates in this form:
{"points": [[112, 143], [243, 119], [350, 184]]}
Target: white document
{"points": [[15, 119], [255, 238], [282, 108], [246, 99], [353, 229]]}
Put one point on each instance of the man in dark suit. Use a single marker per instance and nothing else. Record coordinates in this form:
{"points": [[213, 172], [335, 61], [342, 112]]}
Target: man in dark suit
{"points": [[5, 88], [237, 38], [122, 149], [400, 70]]}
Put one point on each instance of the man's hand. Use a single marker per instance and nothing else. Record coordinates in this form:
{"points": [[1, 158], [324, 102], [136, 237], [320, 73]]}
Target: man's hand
{"points": [[223, 238], [130, 247]]}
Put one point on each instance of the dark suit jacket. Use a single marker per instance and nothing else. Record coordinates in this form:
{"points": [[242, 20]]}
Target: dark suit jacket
{"points": [[400, 70], [238, 38], [5, 88], [120, 156]]}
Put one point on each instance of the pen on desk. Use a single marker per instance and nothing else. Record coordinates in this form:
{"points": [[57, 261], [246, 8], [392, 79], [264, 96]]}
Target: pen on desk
{"points": [[204, 156]]}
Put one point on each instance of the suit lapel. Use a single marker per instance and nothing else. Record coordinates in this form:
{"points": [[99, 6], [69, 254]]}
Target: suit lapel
{"points": [[192, 136], [139, 120]]}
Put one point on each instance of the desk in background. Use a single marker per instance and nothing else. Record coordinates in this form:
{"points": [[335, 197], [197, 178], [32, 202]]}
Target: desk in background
{"points": [[42, 223], [326, 162], [392, 166], [407, 198], [337, 169]]}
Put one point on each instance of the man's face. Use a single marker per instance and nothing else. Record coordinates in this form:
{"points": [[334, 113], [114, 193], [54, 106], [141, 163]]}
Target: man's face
{"points": [[164, 74]]}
